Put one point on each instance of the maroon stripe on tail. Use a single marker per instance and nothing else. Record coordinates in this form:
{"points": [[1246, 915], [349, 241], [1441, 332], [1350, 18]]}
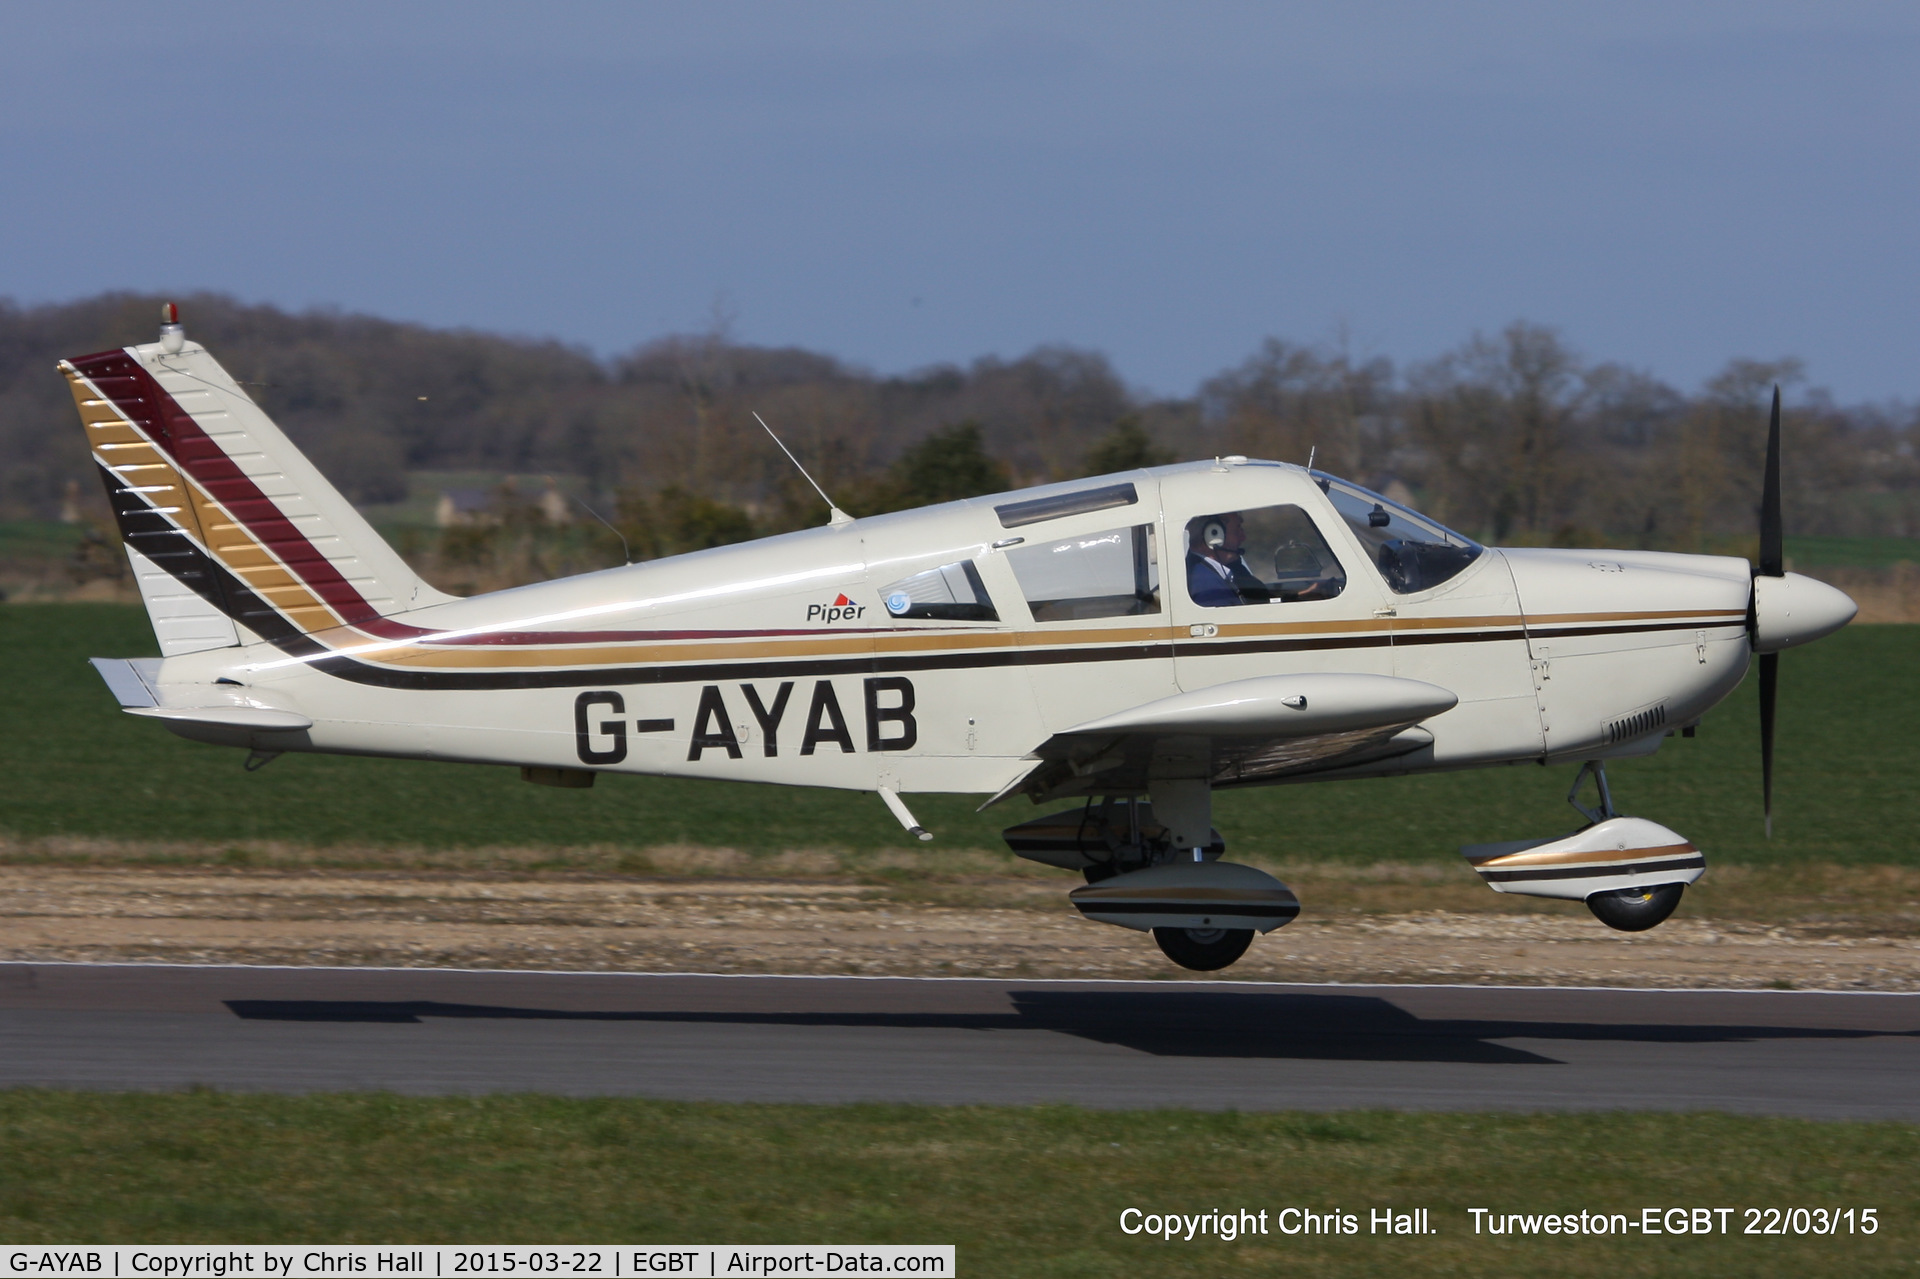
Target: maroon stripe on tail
{"points": [[145, 403]]}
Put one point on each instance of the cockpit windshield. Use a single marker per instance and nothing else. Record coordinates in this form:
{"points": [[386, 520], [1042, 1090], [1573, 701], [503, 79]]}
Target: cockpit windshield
{"points": [[1411, 551]]}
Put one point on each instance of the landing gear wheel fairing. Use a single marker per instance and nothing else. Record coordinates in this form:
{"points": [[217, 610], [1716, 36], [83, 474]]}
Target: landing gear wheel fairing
{"points": [[1634, 910], [1204, 950]]}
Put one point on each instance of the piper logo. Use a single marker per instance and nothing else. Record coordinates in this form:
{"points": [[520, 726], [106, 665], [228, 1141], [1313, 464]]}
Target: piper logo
{"points": [[841, 610]]}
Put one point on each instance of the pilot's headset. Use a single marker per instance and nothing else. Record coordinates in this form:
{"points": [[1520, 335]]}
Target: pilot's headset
{"points": [[1213, 533]]}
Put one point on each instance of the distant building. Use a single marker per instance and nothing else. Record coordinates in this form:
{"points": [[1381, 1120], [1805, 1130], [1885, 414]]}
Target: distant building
{"points": [[463, 506], [554, 504], [466, 506]]}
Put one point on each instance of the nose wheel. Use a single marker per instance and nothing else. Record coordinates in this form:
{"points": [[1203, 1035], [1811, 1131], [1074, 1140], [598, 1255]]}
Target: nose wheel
{"points": [[1204, 950], [1634, 910], [1629, 910]]}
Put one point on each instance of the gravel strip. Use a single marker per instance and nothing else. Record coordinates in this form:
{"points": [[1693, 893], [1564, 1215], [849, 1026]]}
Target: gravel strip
{"points": [[1010, 928]]}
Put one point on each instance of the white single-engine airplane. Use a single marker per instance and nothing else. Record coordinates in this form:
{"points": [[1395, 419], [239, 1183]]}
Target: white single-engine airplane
{"points": [[1130, 642]]}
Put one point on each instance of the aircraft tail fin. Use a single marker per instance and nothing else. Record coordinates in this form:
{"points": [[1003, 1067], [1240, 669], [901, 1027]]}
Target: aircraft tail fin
{"points": [[231, 531]]}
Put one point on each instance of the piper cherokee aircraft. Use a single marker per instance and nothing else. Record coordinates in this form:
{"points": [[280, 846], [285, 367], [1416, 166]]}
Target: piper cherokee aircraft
{"points": [[1129, 643]]}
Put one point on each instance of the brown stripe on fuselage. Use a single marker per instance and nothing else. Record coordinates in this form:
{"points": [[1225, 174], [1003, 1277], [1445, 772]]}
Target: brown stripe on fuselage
{"points": [[747, 648], [1235, 639], [1649, 615], [756, 644]]}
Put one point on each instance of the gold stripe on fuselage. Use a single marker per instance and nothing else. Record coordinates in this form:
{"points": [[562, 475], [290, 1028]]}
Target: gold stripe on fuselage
{"points": [[1666, 615], [1525, 858], [467, 655], [720, 648]]}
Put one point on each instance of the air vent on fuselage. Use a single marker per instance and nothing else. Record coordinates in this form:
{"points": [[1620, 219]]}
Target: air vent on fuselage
{"points": [[1638, 724]]}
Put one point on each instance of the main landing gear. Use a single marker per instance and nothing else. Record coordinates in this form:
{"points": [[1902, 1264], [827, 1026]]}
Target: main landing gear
{"points": [[1155, 867], [1204, 950]]}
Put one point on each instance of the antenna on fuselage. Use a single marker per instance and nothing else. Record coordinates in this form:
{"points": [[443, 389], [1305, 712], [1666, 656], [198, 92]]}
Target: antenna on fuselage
{"points": [[625, 549], [1310, 452], [835, 516]]}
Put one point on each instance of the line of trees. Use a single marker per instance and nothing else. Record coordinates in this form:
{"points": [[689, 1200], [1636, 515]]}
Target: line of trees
{"points": [[1512, 437]]}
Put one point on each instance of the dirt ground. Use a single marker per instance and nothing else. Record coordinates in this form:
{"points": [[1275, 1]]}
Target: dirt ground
{"points": [[1861, 932]]}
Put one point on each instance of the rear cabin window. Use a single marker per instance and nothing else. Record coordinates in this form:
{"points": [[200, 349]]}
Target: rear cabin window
{"points": [[1273, 554], [950, 593], [1114, 573]]}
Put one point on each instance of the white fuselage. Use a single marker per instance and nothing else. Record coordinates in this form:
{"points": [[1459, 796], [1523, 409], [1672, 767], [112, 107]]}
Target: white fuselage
{"points": [[780, 661]]}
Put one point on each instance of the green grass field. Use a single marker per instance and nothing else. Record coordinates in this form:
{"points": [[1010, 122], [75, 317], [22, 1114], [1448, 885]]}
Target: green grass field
{"points": [[36, 539], [1849, 769], [34, 549], [1853, 552], [1022, 1191]]}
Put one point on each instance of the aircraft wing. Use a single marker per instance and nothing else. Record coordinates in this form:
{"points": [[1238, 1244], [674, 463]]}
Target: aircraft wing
{"points": [[1240, 732]]}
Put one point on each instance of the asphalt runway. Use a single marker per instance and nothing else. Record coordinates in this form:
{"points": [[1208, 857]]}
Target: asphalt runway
{"points": [[1207, 1045]]}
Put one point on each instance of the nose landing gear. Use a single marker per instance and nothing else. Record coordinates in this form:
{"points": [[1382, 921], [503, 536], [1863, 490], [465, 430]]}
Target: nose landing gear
{"points": [[1629, 871], [1634, 910], [1628, 910]]}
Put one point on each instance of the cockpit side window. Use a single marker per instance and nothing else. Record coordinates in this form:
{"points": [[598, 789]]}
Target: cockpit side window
{"points": [[1412, 552], [1272, 554], [1112, 573]]}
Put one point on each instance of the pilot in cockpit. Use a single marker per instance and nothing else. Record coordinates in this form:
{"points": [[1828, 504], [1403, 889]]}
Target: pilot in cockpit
{"points": [[1217, 573]]}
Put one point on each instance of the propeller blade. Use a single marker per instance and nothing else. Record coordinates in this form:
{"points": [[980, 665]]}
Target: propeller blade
{"points": [[1769, 690], [1773, 558], [1773, 563]]}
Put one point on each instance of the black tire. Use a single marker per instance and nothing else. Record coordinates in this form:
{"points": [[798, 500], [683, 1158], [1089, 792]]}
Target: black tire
{"points": [[1204, 950], [1634, 910]]}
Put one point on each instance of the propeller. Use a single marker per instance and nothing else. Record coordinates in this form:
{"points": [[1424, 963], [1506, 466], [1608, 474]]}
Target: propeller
{"points": [[1772, 564]]}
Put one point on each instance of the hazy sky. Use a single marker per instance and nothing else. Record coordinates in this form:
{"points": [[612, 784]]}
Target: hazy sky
{"points": [[904, 183]]}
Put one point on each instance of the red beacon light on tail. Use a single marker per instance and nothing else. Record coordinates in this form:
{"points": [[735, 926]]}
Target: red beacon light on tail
{"points": [[173, 335]]}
